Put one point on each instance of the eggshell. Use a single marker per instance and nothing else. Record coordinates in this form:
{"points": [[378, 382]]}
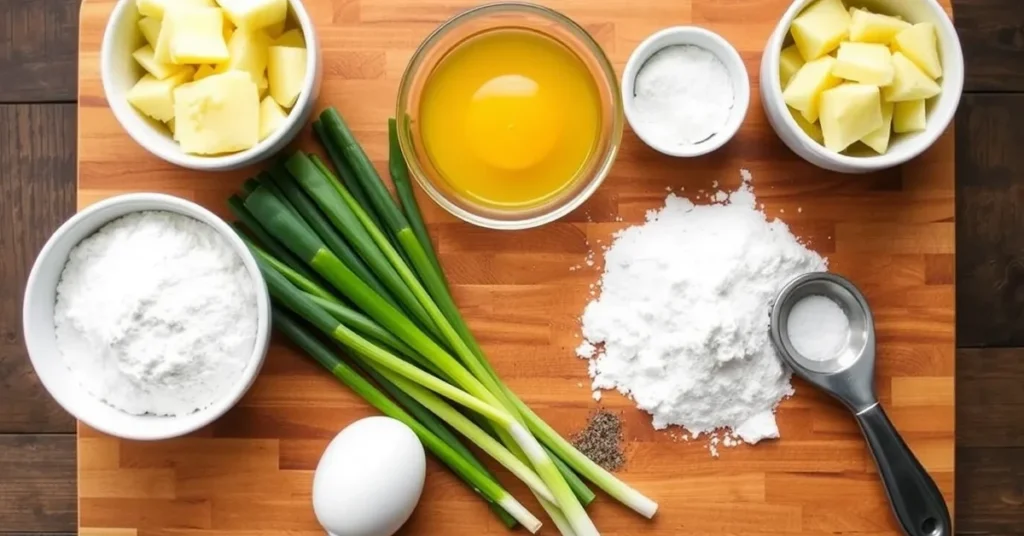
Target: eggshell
{"points": [[369, 478]]}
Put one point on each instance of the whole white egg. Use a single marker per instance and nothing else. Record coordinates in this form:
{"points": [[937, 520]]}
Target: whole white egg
{"points": [[369, 478]]}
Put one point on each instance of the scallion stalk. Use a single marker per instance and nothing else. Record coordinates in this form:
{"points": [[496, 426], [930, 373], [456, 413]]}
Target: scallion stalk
{"points": [[342, 167], [400, 178]]}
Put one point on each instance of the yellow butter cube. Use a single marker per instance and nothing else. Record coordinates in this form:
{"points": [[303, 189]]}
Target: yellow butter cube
{"points": [[820, 28], [272, 116], [909, 116], [150, 28], [248, 52], [909, 82], [291, 38], [811, 129], [867, 63], [848, 113], [229, 29], [156, 8], [879, 138], [867, 27], [198, 35], [804, 90], [255, 14], [286, 70], [919, 44], [155, 98], [218, 114], [790, 61], [145, 57], [263, 86], [203, 71], [275, 30]]}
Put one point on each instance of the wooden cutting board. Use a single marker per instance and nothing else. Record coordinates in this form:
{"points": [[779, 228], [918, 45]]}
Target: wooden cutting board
{"points": [[891, 233]]}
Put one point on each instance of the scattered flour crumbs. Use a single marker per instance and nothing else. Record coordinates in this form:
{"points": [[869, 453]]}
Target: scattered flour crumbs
{"points": [[681, 322]]}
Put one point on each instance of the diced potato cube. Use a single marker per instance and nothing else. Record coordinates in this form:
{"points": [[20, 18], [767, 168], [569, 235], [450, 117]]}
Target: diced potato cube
{"points": [[155, 98], [867, 63], [804, 90], [156, 8], [272, 116], [848, 113], [909, 116], [150, 28], [198, 35], [910, 82], [879, 139], [248, 52], [811, 129], [867, 27], [229, 29], [263, 86], [255, 14], [790, 61], [819, 29], [162, 48], [286, 70], [919, 44], [275, 30], [203, 71], [144, 56], [170, 126], [291, 38], [218, 114]]}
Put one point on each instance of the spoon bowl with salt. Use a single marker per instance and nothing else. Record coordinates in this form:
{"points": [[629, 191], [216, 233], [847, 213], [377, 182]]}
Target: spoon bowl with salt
{"points": [[822, 327]]}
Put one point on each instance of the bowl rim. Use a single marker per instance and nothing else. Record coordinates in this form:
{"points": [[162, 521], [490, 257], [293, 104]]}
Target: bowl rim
{"points": [[952, 81], [125, 113], [607, 75], [725, 51], [176, 205]]}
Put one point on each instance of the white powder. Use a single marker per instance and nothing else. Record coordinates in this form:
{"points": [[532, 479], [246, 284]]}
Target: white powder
{"points": [[682, 319], [683, 95], [818, 328], [156, 313]]}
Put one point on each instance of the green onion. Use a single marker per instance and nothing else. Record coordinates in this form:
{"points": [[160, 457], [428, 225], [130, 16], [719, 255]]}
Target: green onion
{"points": [[458, 458], [400, 177], [260, 234], [344, 172]]}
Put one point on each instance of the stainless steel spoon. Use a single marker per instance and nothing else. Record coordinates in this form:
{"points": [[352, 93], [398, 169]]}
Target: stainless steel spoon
{"points": [[849, 377]]}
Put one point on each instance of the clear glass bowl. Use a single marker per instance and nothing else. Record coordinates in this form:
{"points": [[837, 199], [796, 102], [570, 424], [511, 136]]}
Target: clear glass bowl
{"points": [[508, 15]]}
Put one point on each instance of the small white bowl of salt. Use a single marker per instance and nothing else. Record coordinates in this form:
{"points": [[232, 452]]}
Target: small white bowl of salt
{"points": [[685, 91]]}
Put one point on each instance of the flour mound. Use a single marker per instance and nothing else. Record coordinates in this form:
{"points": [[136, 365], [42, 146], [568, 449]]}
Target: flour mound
{"points": [[681, 323]]}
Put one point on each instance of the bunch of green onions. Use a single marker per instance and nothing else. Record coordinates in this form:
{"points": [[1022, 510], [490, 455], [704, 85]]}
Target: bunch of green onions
{"points": [[348, 266]]}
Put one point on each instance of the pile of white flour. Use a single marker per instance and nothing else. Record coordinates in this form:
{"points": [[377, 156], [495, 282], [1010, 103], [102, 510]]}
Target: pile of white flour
{"points": [[681, 323], [156, 314]]}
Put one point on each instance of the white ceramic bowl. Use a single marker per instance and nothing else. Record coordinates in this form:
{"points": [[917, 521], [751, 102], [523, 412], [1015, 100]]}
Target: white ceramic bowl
{"points": [[903, 147], [119, 72], [710, 41], [40, 338]]}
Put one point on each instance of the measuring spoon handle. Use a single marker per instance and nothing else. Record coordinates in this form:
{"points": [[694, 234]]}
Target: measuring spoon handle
{"points": [[916, 500]]}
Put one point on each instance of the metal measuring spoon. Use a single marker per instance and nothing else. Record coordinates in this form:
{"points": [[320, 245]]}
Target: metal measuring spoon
{"points": [[849, 377]]}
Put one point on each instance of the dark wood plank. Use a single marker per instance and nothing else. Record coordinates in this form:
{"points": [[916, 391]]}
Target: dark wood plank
{"points": [[37, 490], [990, 491], [990, 217], [37, 193], [989, 397], [38, 50], [992, 36]]}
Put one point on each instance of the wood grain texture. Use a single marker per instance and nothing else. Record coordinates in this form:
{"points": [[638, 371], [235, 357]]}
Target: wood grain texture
{"points": [[992, 35], [990, 207], [892, 233], [37, 490], [37, 50], [36, 195]]}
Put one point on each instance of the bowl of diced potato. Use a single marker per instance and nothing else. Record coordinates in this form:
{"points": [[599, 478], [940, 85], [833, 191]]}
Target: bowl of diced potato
{"points": [[211, 84], [861, 85]]}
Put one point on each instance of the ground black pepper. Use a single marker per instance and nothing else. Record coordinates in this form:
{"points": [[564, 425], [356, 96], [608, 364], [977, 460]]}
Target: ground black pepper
{"points": [[601, 440]]}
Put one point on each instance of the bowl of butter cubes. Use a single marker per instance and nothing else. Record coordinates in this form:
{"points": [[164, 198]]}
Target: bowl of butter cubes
{"points": [[211, 84], [861, 85]]}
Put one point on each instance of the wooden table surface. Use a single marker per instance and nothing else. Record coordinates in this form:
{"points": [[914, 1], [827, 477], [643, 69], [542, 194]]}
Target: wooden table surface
{"points": [[37, 72]]}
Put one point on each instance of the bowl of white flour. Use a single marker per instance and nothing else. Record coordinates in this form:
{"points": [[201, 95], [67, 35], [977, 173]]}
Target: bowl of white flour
{"points": [[146, 317]]}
